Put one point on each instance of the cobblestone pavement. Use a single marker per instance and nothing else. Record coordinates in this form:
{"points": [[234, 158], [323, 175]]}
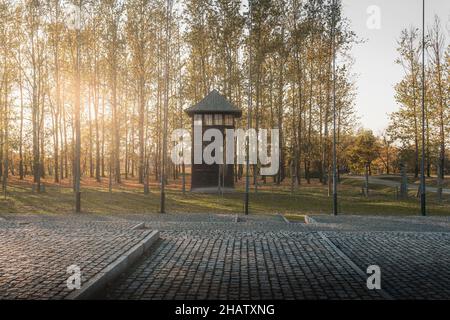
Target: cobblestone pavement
{"points": [[382, 223], [263, 257], [276, 223], [214, 257], [413, 265], [225, 264], [35, 253]]}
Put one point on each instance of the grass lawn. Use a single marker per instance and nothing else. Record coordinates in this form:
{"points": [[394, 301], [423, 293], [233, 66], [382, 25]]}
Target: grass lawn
{"points": [[270, 199]]}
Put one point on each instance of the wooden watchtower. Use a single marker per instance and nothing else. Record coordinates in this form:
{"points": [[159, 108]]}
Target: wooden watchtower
{"points": [[214, 111]]}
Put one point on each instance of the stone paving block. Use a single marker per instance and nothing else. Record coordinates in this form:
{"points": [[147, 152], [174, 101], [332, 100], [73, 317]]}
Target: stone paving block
{"points": [[263, 257], [233, 265], [214, 257], [413, 265], [382, 223], [34, 256]]}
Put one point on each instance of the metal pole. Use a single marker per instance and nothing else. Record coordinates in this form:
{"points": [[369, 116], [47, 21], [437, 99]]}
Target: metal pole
{"points": [[422, 177], [77, 121], [249, 118], [166, 106], [335, 196]]}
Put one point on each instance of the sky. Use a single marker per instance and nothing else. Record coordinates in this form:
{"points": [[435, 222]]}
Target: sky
{"points": [[375, 65]]}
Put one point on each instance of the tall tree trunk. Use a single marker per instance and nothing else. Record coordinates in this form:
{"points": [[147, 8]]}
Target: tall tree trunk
{"points": [[141, 129], [21, 162]]}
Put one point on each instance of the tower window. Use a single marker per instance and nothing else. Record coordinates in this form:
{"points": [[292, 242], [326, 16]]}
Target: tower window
{"points": [[208, 119], [218, 121], [228, 120]]}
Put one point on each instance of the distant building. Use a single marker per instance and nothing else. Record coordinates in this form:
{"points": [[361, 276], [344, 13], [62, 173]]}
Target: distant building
{"points": [[214, 111]]}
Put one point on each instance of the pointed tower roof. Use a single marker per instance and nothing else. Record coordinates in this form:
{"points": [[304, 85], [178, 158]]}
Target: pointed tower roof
{"points": [[214, 102]]}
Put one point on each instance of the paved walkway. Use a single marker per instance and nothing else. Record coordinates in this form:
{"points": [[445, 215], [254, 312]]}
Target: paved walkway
{"points": [[390, 183], [265, 258], [214, 257], [240, 265], [35, 253], [414, 265]]}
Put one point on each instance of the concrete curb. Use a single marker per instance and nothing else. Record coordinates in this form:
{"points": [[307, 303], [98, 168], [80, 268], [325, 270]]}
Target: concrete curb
{"points": [[139, 226], [96, 284], [310, 220], [284, 218], [357, 269]]}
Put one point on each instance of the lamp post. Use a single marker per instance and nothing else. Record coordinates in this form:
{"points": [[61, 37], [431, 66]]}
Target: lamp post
{"points": [[249, 117], [422, 165], [333, 37], [166, 107], [77, 168]]}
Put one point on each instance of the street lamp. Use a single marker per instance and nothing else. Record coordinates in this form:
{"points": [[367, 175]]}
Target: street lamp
{"points": [[333, 38], [166, 107], [249, 116], [422, 165]]}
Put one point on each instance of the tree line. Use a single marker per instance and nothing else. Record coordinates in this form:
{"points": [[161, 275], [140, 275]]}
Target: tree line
{"points": [[405, 127], [129, 61]]}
